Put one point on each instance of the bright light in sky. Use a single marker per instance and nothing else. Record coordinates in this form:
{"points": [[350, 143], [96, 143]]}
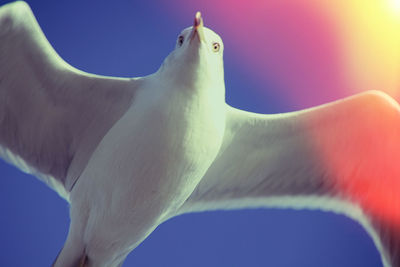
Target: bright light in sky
{"points": [[395, 5]]}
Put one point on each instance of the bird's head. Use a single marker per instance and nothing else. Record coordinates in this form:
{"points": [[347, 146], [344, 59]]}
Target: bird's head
{"points": [[197, 55]]}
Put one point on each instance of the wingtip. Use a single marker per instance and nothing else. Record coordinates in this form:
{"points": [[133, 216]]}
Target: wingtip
{"points": [[17, 5], [14, 9], [13, 14]]}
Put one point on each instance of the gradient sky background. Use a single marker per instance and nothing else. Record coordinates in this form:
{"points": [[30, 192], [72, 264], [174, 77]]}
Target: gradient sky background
{"points": [[279, 56]]}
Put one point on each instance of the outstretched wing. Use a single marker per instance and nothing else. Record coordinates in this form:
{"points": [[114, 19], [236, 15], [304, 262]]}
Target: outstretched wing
{"points": [[52, 116], [341, 157]]}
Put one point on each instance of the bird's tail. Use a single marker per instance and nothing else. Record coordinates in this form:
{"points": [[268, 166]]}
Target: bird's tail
{"points": [[82, 261]]}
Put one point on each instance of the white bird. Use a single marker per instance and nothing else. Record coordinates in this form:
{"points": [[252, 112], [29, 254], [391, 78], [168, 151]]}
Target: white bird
{"points": [[128, 154]]}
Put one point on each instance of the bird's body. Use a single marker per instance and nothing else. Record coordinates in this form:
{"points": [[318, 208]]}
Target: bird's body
{"points": [[129, 154], [150, 161], [159, 150]]}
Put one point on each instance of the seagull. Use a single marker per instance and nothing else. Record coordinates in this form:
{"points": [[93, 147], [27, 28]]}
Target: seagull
{"points": [[130, 153]]}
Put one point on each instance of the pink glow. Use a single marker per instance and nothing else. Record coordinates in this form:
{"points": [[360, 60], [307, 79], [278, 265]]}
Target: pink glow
{"points": [[314, 52]]}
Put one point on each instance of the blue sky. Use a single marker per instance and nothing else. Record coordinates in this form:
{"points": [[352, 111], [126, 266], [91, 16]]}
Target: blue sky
{"points": [[131, 38]]}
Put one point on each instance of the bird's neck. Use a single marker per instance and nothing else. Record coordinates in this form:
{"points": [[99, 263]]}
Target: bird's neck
{"points": [[194, 79], [194, 90]]}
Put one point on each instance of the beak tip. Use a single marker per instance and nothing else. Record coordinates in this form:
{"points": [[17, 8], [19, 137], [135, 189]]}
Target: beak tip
{"points": [[198, 27], [198, 15], [198, 19]]}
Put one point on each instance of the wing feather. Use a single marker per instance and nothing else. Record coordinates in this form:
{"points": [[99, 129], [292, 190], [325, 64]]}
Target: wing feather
{"points": [[340, 157], [52, 116]]}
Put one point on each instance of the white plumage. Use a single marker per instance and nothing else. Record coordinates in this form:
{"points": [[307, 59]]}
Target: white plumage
{"points": [[129, 154]]}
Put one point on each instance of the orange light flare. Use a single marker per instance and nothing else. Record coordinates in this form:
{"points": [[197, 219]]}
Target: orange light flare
{"points": [[360, 148]]}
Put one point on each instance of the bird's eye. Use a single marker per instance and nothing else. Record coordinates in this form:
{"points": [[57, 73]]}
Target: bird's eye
{"points": [[180, 40], [216, 47]]}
